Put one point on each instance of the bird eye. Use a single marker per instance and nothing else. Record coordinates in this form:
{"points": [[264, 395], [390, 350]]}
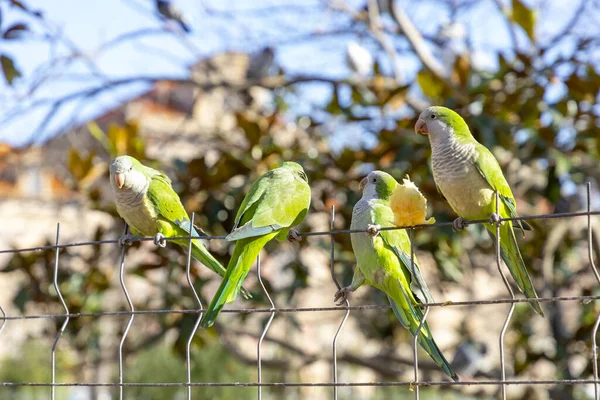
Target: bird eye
{"points": [[374, 180], [432, 116]]}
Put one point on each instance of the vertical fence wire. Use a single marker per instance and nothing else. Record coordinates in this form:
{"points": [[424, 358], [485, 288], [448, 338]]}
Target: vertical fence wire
{"points": [[66, 321], [3, 319], [338, 286], [188, 361], [512, 305], [501, 383], [266, 328], [421, 322], [597, 275], [131, 308]]}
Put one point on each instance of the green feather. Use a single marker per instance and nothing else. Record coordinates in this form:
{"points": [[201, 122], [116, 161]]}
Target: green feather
{"points": [[476, 202], [278, 200], [162, 211], [384, 262]]}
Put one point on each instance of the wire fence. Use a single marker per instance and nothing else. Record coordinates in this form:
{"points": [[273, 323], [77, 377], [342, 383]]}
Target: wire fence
{"points": [[414, 384]]}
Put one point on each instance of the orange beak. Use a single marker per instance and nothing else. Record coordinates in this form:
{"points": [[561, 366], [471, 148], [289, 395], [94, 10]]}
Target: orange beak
{"points": [[120, 180], [363, 183], [421, 127]]}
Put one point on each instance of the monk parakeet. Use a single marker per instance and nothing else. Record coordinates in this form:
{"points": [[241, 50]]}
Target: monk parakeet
{"points": [[468, 176], [384, 262], [277, 201], [147, 202]]}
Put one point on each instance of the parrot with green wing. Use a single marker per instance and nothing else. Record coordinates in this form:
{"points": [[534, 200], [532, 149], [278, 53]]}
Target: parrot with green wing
{"points": [[384, 262], [146, 200], [276, 202], [468, 176]]}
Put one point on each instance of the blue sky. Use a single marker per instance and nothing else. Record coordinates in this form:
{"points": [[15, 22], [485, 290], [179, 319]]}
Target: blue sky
{"points": [[237, 26]]}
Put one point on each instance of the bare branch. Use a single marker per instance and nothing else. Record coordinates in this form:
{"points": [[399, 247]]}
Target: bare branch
{"points": [[376, 27], [568, 27], [417, 42]]}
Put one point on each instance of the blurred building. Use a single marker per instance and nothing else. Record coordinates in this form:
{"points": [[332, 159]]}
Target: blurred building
{"points": [[175, 120]]}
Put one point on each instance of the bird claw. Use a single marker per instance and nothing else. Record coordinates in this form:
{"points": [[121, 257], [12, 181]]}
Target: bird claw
{"points": [[159, 240], [459, 224], [294, 236], [373, 230], [125, 240], [495, 218], [342, 295]]}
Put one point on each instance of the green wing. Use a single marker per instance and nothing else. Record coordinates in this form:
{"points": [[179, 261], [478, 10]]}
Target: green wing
{"points": [[400, 243], [278, 199], [488, 167], [167, 203]]}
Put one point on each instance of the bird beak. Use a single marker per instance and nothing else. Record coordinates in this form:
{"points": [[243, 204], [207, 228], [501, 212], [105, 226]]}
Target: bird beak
{"points": [[120, 180], [421, 127], [363, 183]]}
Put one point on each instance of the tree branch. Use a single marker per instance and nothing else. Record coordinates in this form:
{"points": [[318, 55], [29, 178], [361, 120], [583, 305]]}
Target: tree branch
{"points": [[376, 28], [568, 27], [417, 42]]}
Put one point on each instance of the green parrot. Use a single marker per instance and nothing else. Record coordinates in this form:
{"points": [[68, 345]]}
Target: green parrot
{"points": [[468, 176], [146, 200], [277, 201], [383, 261]]}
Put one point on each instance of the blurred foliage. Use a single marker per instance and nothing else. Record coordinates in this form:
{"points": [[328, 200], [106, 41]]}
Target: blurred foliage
{"points": [[548, 150], [16, 31]]}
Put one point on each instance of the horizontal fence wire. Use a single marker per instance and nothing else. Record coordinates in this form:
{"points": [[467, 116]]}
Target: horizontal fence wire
{"points": [[583, 299], [410, 384], [345, 307], [303, 234]]}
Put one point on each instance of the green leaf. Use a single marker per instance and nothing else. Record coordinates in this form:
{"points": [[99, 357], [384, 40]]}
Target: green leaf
{"points": [[15, 32], [430, 85], [79, 166], [334, 107], [22, 298], [8, 68], [101, 137], [524, 17]]}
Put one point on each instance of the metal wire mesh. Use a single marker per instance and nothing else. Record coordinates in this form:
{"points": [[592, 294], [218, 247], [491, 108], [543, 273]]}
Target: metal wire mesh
{"points": [[415, 384]]}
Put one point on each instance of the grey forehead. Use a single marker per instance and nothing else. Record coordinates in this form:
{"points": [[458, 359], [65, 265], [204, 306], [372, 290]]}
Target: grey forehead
{"points": [[426, 113], [120, 162]]}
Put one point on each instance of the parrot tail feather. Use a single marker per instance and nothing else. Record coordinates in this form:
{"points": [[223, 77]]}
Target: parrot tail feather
{"points": [[244, 255], [410, 317], [510, 253], [200, 253]]}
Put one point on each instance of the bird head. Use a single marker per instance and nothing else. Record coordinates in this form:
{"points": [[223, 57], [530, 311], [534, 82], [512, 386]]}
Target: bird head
{"points": [[126, 174], [296, 169], [438, 122], [378, 185]]}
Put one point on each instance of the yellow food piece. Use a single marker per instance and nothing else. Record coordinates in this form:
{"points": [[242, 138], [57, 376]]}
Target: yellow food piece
{"points": [[409, 205]]}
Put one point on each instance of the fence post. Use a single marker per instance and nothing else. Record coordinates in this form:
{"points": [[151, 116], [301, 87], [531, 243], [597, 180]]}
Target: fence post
{"points": [[66, 321], [264, 332], [131, 308], [188, 361]]}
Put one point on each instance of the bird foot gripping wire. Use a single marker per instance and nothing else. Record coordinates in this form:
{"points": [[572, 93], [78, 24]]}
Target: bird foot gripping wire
{"points": [[495, 218], [294, 236], [125, 240], [342, 295], [373, 230], [459, 224], [159, 240]]}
